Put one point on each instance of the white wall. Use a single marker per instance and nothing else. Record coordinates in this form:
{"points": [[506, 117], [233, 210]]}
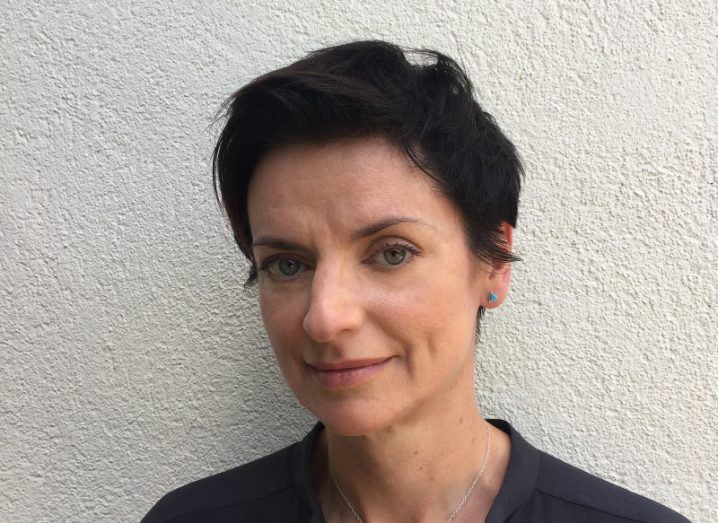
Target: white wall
{"points": [[131, 361]]}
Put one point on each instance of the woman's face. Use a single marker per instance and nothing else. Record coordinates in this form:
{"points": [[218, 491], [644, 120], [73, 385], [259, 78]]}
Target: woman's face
{"points": [[335, 288]]}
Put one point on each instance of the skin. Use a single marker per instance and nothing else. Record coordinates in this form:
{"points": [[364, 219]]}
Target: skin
{"points": [[405, 444]]}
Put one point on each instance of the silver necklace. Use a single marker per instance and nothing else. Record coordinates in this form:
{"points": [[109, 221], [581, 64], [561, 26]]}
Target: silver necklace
{"points": [[458, 507]]}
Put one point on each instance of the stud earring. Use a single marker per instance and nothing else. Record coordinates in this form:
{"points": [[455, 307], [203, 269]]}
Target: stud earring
{"points": [[492, 297]]}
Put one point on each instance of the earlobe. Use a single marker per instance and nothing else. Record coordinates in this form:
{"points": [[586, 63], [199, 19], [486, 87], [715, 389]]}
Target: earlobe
{"points": [[498, 281], [493, 299]]}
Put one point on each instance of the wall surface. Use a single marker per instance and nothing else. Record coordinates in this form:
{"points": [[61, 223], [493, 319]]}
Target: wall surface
{"points": [[131, 360]]}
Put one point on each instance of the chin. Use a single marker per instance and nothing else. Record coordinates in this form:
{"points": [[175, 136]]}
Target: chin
{"points": [[348, 420]]}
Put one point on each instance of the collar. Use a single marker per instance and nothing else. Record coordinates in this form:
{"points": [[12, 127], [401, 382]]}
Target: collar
{"points": [[516, 489]]}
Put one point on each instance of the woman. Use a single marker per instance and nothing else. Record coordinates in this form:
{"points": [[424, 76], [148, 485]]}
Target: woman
{"points": [[376, 203]]}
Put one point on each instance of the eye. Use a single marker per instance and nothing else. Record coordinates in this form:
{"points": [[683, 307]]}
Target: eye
{"points": [[395, 253], [287, 268]]}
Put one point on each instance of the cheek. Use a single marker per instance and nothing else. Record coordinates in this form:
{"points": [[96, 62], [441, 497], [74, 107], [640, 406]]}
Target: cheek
{"points": [[433, 320], [432, 301], [282, 321]]}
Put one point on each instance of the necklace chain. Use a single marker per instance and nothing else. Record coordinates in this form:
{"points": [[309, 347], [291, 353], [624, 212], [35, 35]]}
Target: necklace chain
{"points": [[458, 507]]}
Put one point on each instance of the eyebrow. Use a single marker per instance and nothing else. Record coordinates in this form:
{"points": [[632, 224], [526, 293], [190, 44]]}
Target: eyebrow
{"points": [[368, 230]]}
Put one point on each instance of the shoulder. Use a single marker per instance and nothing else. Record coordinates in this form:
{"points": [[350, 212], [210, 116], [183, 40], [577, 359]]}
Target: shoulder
{"points": [[240, 490], [569, 490]]}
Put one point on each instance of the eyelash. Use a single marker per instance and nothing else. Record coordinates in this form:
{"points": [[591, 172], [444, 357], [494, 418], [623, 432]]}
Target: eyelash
{"points": [[407, 246]]}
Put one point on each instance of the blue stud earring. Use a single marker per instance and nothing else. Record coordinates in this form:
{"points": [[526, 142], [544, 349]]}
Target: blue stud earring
{"points": [[492, 297]]}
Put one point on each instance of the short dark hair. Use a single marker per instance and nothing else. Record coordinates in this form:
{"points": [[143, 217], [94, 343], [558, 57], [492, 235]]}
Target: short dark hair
{"points": [[369, 87]]}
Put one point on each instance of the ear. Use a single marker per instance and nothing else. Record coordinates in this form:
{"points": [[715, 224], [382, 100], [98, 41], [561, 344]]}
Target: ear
{"points": [[499, 276]]}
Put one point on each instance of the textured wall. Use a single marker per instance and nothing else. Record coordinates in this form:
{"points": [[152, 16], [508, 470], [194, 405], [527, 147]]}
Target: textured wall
{"points": [[132, 362]]}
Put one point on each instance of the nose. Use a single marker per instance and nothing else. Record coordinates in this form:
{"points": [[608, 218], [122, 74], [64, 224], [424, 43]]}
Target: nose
{"points": [[333, 306]]}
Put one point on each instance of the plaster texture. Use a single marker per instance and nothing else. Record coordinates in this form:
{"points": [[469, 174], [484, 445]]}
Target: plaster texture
{"points": [[132, 362]]}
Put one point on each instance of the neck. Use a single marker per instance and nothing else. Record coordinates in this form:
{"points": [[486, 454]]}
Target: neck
{"points": [[417, 469]]}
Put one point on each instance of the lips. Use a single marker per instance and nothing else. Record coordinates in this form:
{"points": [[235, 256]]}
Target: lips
{"points": [[347, 373], [347, 364]]}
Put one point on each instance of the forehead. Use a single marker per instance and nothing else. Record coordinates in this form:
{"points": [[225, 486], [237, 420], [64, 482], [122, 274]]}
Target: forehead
{"points": [[340, 184]]}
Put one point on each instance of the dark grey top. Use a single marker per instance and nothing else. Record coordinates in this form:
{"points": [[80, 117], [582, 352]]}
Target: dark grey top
{"points": [[537, 488]]}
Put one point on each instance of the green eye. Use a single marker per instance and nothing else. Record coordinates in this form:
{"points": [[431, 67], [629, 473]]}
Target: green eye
{"points": [[395, 255], [288, 267]]}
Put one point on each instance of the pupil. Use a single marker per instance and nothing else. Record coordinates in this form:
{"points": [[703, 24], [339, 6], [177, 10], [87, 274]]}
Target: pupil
{"points": [[393, 258], [290, 263]]}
